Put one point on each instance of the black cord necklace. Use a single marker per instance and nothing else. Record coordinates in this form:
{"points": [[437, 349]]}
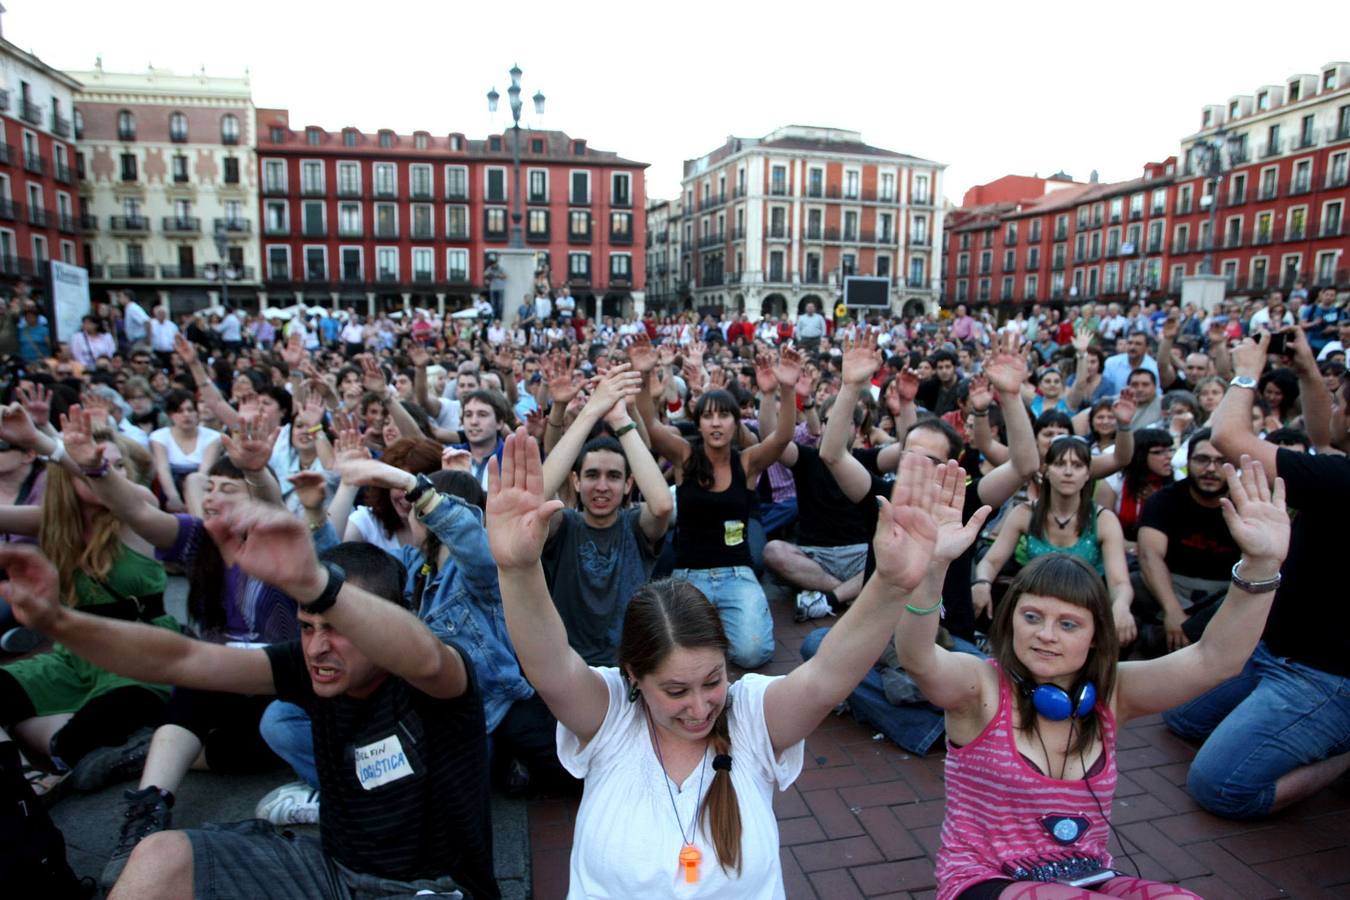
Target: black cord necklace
{"points": [[690, 856]]}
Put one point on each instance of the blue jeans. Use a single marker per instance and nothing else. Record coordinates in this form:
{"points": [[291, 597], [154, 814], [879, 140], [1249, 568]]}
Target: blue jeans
{"points": [[286, 729], [1274, 717], [914, 726], [744, 609]]}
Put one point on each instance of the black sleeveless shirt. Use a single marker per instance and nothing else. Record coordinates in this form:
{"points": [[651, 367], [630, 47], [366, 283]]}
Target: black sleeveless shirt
{"points": [[712, 527]]}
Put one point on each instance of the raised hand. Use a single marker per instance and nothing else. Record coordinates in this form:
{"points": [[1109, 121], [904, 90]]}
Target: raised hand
{"points": [[32, 586], [37, 400], [350, 447], [695, 352], [536, 423], [271, 544], [419, 356], [1170, 328], [185, 351], [619, 383], [1082, 338], [293, 352], [861, 359], [1007, 371], [16, 427], [455, 460], [558, 373], [806, 383], [789, 367], [765, 378], [641, 353], [517, 513], [311, 488], [981, 394], [907, 532], [77, 433], [251, 445], [954, 536], [311, 411], [372, 377], [1124, 408], [666, 354], [1256, 516]]}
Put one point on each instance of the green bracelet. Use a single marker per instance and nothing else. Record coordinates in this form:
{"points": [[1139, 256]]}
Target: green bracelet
{"points": [[919, 611]]}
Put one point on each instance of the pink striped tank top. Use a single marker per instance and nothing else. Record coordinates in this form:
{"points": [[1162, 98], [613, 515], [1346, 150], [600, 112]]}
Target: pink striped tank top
{"points": [[1001, 810]]}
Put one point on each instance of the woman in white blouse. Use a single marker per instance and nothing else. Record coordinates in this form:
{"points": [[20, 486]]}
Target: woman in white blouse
{"points": [[178, 449], [679, 766]]}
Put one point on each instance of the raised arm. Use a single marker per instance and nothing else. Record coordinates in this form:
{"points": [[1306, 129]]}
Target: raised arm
{"points": [[208, 394], [130, 649], [1167, 372], [418, 356], [1259, 522], [657, 504], [1232, 421], [770, 447], [619, 383], [1123, 452], [124, 499], [1313, 395], [274, 546], [918, 534], [860, 362], [517, 522], [643, 358], [1006, 372]]}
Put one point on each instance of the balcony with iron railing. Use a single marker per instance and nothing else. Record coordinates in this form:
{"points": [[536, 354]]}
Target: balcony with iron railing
{"points": [[129, 224], [312, 189], [234, 226], [132, 270], [274, 188], [60, 127], [277, 229], [67, 223], [88, 222], [30, 112], [423, 192], [349, 191], [39, 216], [34, 164], [6, 153], [62, 173], [181, 224]]}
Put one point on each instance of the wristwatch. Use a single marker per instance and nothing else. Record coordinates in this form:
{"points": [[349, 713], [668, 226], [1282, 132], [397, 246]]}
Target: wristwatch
{"points": [[421, 487], [324, 602], [1243, 381]]}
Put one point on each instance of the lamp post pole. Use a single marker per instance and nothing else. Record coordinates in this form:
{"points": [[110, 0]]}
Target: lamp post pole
{"points": [[517, 240], [1214, 153], [223, 249]]}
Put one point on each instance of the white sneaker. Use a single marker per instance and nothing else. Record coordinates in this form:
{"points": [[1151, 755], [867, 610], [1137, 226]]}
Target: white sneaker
{"points": [[812, 605], [291, 804]]}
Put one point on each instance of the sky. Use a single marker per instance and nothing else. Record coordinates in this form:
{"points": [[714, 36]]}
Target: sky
{"points": [[1029, 87]]}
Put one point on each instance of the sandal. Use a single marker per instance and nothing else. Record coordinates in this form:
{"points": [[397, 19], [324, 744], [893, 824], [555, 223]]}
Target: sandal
{"points": [[47, 786]]}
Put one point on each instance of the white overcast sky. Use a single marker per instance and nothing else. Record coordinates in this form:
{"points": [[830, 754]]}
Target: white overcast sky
{"points": [[989, 88]]}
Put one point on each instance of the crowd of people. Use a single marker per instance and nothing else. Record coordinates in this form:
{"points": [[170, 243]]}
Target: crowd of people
{"points": [[431, 557]]}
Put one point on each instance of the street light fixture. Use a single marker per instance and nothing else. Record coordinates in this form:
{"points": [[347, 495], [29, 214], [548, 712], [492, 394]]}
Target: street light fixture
{"points": [[223, 271], [513, 93]]}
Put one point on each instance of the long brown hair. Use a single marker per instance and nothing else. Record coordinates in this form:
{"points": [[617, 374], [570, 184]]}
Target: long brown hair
{"points": [[1040, 510], [417, 456], [673, 613], [1073, 581], [698, 468], [63, 540]]}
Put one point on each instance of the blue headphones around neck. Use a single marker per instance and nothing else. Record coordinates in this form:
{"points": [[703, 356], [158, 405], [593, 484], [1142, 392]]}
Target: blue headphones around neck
{"points": [[1055, 703]]}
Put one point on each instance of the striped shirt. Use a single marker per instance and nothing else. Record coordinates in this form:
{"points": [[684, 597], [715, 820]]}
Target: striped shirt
{"points": [[998, 806]]}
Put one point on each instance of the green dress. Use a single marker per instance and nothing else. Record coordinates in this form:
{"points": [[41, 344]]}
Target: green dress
{"points": [[61, 682], [1087, 548]]}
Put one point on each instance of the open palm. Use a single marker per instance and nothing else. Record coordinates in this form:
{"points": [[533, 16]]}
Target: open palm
{"points": [[1256, 516], [517, 513]]}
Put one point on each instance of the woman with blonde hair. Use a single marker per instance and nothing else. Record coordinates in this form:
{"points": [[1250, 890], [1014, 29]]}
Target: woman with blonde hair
{"points": [[75, 713]]}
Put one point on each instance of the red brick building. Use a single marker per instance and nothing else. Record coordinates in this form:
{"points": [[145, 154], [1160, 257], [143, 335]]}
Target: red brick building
{"points": [[390, 221], [39, 217], [1281, 210]]}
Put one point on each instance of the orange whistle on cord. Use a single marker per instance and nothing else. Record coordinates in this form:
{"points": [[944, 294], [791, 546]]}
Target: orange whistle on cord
{"points": [[689, 860]]}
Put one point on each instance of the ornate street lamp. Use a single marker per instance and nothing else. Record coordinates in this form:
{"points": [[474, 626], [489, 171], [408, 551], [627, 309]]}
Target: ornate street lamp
{"points": [[224, 271], [1211, 154], [513, 93]]}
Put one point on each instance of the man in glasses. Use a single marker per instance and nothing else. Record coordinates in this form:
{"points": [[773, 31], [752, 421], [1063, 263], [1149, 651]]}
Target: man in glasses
{"points": [[1186, 552]]}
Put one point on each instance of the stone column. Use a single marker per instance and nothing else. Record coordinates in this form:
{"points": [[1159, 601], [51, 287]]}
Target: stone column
{"points": [[407, 304], [440, 305], [370, 304], [262, 301]]}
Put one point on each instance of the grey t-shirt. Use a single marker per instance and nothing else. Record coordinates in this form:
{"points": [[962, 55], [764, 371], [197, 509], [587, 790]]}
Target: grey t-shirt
{"points": [[592, 573]]}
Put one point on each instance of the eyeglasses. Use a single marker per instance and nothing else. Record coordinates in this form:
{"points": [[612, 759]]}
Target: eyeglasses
{"points": [[1203, 461]]}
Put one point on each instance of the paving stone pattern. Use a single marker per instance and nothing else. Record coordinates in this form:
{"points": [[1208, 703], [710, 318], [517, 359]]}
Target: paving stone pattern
{"points": [[864, 817]]}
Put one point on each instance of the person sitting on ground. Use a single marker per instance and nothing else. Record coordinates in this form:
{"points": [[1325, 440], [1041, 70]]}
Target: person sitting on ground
{"points": [[398, 725], [597, 557], [1280, 731], [717, 751], [180, 448], [714, 494], [1185, 548], [1150, 470], [202, 729], [77, 715], [1031, 762], [1063, 519]]}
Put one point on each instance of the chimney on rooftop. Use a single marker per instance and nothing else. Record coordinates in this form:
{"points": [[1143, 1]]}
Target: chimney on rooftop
{"points": [[1092, 179]]}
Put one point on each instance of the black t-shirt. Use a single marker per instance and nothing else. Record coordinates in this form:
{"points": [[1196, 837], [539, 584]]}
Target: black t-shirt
{"points": [[958, 608], [825, 516], [1198, 542], [404, 777], [712, 527], [1310, 620]]}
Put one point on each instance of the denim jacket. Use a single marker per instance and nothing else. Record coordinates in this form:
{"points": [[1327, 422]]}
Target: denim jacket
{"points": [[463, 601]]}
